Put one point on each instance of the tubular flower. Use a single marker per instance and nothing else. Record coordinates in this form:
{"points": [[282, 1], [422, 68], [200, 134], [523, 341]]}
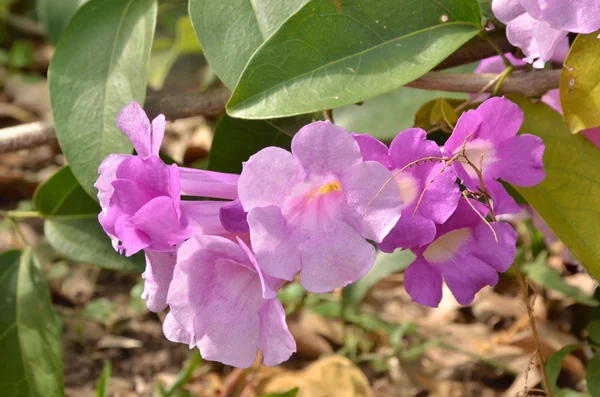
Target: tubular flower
{"points": [[538, 26], [140, 195], [141, 205], [222, 303], [433, 205], [464, 253], [487, 138], [307, 209]]}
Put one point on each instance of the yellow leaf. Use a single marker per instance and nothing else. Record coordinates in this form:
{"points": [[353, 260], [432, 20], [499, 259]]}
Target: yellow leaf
{"points": [[580, 84]]}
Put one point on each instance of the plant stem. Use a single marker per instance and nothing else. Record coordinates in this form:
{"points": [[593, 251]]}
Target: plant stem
{"points": [[503, 76], [484, 36], [20, 214]]}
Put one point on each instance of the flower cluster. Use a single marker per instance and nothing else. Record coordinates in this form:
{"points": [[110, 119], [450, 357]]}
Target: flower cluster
{"points": [[538, 27], [218, 262]]}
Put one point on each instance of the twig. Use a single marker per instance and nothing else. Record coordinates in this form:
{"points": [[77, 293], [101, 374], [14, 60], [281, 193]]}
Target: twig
{"points": [[208, 103], [25, 25], [25, 136], [529, 84]]}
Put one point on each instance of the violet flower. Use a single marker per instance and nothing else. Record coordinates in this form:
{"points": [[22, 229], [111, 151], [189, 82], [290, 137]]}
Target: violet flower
{"points": [[307, 210], [538, 26], [436, 204], [141, 205], [464, 253], [493, 147], [222, 303]]}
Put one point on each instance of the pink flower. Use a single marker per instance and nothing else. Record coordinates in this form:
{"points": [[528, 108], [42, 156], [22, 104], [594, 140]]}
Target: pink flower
{"points": [[141, 205], [222, 303], [439, 201], [492, 145], [538, 26], [464, 253], [307, 209]]}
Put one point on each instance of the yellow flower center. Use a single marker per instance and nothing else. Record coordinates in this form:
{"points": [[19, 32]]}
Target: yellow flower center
{"points": [[333, 186]]}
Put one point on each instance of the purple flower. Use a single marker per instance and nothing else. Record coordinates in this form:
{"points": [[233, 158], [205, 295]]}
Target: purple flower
{"points": [[140, 195], [538, 26], [439, 201], [307, 209], [222, 303], [464, 253], [492, 145], [142, 208]]}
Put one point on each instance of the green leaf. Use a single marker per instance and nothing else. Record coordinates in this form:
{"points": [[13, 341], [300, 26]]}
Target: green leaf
{"points": [[567, 199], [231, 31], [100, 65], [385, 265], [84, 240], [541, 273], [161, 62], [104, 381], [29, 331], [385, 116], [290, 393], [61, 196], [593, 376], [580, 84], [236, 139], [335, 53], [554, 364], [55, 15]]}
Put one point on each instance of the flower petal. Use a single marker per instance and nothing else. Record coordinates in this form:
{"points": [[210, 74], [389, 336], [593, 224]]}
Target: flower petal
{"points": [[272, 240], [233, 217], [372, 149], [578, 16], [521, 159], [270, 285], [465, 275], [132, 120], [502, 202], [150, 173], [108, 173], [501, 119], [157, 278], [500, 254], [507, 10], [441, 197], [334, 257], [158, 133], [411, 145], [204, 183], [216, 298], [267, 178], [132, 239], [323, 148], [274, 339], [175, 332], [158, 219], [423, 283], [202, 217], [361, 184], [409, 232]]}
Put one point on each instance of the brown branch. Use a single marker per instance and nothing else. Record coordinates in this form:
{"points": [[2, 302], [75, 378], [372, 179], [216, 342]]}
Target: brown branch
{"points": [[529, 84], [26, 136], [208, 103]]}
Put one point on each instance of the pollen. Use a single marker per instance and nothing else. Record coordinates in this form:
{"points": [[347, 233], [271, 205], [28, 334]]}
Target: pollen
{"points": [[333, 186]]}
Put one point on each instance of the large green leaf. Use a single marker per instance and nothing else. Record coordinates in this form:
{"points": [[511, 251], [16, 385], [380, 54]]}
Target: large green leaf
{"points": [[236, 139], [61, 196], [55, 15], [567, 199], [385, 265], [99, 66], [230, 31], [334, 53], [554, 364], [580, 84], [29, 333], [84, 240]]}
